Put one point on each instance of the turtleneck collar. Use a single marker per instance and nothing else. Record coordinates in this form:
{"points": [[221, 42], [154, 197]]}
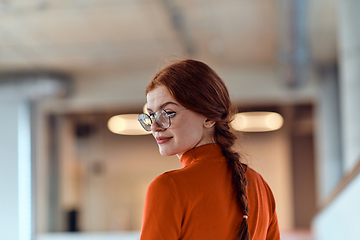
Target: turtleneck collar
{"points": [[206, 151]]}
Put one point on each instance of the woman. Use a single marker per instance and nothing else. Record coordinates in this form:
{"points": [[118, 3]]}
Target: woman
{"points": [[213, 196]]}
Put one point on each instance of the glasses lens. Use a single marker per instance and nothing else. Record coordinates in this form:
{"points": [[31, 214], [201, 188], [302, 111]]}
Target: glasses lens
{"points": [[145, 121], [162, 119]]}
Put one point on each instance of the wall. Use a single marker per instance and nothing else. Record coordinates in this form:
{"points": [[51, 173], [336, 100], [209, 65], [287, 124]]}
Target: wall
{"points": [[338, 218], [269, 154], [105, 176], [110, 174]]}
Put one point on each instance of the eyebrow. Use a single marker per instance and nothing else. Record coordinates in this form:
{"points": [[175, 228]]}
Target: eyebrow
{"points": [[163, 105]]}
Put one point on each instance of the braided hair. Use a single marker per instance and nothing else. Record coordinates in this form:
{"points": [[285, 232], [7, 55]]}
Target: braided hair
{"points": [[198, 88]]}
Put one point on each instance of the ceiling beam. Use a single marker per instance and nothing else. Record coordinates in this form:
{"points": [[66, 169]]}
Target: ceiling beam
{"points": [[178, 22]]}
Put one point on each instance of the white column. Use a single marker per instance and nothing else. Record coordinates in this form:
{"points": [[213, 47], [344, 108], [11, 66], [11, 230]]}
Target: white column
{"points": [[349, 26], [330, 223], [15, 170], [328, 133], [16, 97]]}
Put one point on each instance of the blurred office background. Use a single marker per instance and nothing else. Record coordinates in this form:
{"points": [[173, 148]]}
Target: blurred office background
{"points": [[68, 66]]}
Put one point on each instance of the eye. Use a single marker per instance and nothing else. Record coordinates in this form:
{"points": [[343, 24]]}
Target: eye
{"points": [[152, 115], [170, 113]]}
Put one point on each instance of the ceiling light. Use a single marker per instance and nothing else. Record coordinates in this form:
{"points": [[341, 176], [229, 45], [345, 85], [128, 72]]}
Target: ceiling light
{"points": [[126, 124], [257, 121]]}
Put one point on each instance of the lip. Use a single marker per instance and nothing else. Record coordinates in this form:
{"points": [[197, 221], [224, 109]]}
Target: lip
{"points": [[161, 140]]}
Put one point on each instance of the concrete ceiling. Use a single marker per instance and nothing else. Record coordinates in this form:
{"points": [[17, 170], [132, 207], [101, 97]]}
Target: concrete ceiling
{"points": [[79, 35], [97, 37]]}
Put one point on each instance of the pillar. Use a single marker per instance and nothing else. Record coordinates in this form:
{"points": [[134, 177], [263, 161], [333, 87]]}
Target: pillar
{"points": [[349, 46], [328, 132], [18, 95]]}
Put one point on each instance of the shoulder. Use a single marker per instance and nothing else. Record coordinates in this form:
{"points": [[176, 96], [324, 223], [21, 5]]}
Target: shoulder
{"points": [[177, 178], [162, 190], [257, 184], [262, 200], [260, 193], [162, 182], [168, 181], [174, 183], [254, 176]]}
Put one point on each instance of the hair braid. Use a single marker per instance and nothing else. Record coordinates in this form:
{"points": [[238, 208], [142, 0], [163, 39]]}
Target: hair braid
{"points": [[225, 138]]}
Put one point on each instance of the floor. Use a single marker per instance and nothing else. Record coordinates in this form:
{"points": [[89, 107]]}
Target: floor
{"points": [[297, 235], [290, 235]]}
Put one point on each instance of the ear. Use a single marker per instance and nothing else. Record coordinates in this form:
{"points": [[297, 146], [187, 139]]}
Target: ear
{"points": [[208, 123]]}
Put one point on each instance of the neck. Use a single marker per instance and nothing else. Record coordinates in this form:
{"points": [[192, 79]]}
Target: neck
{"points": [[200, 143], [207, 138]]}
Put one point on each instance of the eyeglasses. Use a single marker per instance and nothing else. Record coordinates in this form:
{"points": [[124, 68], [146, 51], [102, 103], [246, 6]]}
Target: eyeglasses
{"points": [[161, 117]]}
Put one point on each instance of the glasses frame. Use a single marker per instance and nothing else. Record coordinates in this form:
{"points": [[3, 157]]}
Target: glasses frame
{"points": [[154, 118]]}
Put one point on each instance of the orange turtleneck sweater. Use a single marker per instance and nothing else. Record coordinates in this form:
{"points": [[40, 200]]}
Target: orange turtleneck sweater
{"points": [[198, 201]]}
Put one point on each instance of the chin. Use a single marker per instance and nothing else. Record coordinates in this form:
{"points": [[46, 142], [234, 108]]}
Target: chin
{"points": [[164, 152]]}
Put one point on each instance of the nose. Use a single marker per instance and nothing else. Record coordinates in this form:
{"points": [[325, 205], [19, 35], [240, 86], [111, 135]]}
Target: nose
{"points": [[155, 127]]}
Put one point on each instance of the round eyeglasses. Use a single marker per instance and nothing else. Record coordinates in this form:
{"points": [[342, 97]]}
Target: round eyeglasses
{"points": [[161, 117]]}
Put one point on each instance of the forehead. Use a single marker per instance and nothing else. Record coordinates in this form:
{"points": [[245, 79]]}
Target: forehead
{"points": [[157, 97]]}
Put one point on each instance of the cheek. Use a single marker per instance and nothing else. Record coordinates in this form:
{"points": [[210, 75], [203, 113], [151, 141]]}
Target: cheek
{"points": [[189, 131]]}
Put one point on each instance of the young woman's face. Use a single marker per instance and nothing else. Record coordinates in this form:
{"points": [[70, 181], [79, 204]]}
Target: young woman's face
{"points": [[187, 130]]}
